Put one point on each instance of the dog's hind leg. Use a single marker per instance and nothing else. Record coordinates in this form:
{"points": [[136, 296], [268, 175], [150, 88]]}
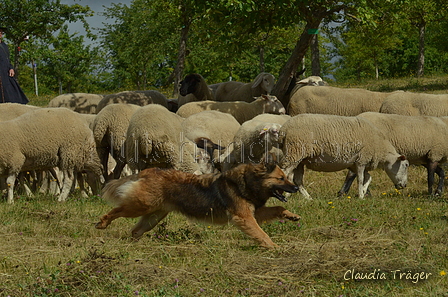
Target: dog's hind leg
{"points": [[265, 214], [117, 212], [147, 222], [248, 225]]}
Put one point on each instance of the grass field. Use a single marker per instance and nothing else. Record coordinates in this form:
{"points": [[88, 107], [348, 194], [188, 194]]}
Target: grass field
{"points": [[393, 243], [53, 249]]}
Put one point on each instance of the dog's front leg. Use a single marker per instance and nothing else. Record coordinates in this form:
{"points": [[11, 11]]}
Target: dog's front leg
{"points": [[248, 225], [266, 214]]}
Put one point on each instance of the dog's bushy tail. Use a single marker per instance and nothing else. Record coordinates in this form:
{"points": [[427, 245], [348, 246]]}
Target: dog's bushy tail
{"points": [[115, 190]]}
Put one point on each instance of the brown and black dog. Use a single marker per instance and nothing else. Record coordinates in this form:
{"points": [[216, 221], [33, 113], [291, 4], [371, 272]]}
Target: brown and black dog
{"points": [[237, 196]]}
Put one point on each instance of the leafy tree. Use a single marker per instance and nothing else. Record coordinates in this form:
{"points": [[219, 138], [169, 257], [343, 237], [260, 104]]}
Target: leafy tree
{"points": [[38, 18]]}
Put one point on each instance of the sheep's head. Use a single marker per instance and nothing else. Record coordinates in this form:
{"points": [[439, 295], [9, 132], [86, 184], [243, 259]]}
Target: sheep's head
{"points": [[271, 104], [270, 132], [266, 81], [190, 84]]}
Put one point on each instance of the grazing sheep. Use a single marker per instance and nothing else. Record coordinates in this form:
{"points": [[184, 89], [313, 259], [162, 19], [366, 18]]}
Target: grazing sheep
{"points": [[109, 129], [154, 139], [140, 98], [43, 139], [331, 143], [422, 139], [9, 111], [237, 91], [414, 104], [336, 101], [194, 88], [241, 110], [253, 140], [217, 126], [79, 102]]}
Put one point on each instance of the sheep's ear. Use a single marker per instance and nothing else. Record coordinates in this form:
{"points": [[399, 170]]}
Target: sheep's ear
{"points": [[258, 80], [402, 158]]}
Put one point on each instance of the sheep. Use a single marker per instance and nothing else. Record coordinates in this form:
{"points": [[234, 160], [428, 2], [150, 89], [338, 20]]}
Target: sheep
{"points": [[414, 104], [241, 110], [336, 101], [237, 91], [9, 111], [194, 88], [217, 126], [79, 102], [253, 140], [422, 139], [109, 130], [154, 138], [43, 139], [331, 143], [134, 97]]}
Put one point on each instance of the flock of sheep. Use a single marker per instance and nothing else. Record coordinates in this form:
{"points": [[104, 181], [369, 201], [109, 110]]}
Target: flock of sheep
{"points": [[87, 139]]}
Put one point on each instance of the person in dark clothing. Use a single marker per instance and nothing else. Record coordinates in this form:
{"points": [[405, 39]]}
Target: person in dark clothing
{"points": [[10, 90]]}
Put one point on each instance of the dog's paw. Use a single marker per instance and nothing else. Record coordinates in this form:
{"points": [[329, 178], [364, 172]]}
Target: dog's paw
{"points": [[292, 216], [100, 225]]}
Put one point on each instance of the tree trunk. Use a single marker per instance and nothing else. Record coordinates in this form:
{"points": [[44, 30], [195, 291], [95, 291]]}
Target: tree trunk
{"points": [[291, 66], [180, 66], [315, 56], [421, 49], [262, 65]]}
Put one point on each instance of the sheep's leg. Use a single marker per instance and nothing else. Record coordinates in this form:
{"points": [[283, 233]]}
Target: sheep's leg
{"points": [[67, 184], [364, 180], [299, 171], [431, 169], [147, 222], [349, 178], [441, 173], [10, 181]]}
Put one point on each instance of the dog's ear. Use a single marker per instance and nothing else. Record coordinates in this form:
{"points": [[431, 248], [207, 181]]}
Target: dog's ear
{"points": [[270, 162]]}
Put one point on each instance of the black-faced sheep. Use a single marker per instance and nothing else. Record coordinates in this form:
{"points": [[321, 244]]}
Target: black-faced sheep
{"points": [[79, 102], [415, 104], [331, 143], [43, 139], [411, 137], [237, 91], [336, 101], [194, 88], [140, 98], [241, 110]]}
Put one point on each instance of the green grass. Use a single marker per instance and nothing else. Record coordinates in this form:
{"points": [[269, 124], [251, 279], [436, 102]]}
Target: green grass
{"points": [[53, 249]]}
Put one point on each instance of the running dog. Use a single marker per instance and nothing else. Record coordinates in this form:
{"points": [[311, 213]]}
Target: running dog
{"points": [[237, 196]]}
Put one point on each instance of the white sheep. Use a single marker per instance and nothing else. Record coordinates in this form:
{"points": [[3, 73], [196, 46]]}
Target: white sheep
{"points": [[336, 101], [414, 104], [331, 143], [9, 111], [241, 110], [422, 139], [217, 126], [109, 129], [43, 139], [79, 102], [154, 139], [140, 98], [238, 91], [193, 88], [254, 140]]}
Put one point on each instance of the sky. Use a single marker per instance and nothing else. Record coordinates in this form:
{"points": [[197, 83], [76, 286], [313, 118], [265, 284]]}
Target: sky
{"points": [[97, 20]]}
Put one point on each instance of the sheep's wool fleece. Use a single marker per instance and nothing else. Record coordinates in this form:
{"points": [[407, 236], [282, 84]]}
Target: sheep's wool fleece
{"points": [[341, 138]]}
